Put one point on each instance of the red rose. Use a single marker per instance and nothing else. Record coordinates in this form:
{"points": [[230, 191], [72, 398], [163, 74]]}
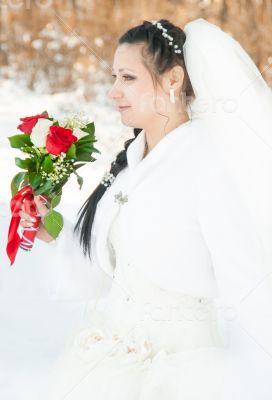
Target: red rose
{"points": [[59, 140], [29, 123]]}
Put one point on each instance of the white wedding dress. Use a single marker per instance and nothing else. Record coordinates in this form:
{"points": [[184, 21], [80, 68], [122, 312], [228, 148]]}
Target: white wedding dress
{"points": [[151, 342], [147, 343]]}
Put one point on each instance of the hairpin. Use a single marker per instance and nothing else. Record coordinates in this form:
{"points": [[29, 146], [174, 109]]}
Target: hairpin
{"points": [[107, 179], [165, 34]]}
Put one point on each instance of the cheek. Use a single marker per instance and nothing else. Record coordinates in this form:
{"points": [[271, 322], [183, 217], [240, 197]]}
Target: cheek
{"points": [[143, 97]]}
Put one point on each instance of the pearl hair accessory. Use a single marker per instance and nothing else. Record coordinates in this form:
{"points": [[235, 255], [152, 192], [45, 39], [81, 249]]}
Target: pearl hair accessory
{"points": [[165, 34], [107, 179]]}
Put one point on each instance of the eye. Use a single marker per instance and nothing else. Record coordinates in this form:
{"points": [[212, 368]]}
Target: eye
{"points": [[128, 77], [125, 77]]}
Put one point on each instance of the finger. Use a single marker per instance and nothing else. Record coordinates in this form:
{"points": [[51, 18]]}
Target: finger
{"points": [[26, 216], [42, 199], [23, 208], [41, 207], [26, 224]]}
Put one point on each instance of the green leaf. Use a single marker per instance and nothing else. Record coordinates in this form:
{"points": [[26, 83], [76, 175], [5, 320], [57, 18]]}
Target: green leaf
{"points": [[37, 152], [78, 165], [71, 153], [85, 157], [16, 182], [86, 145], [35, 179], [25, 164], [79, 180], [84, 140], [55, 201], [96, 150], [43, 150], [28, 149], [44, 188], [85, 149], [90, 128], [18, 141], [53, 223], [28, 163], [47, 164], [54, 193], [58, 186]]}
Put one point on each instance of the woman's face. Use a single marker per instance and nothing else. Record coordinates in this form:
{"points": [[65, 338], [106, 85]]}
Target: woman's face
{"points": [[133, 87]]}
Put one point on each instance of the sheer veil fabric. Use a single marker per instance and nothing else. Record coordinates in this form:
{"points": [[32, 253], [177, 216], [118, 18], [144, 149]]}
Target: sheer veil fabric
{"points": [[235, 103]]}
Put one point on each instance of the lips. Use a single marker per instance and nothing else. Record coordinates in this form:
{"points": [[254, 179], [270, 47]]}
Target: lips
{"points": [[122, 108]]}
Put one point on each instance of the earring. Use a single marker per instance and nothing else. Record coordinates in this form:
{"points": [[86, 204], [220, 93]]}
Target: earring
{"points": [[172, 96]]}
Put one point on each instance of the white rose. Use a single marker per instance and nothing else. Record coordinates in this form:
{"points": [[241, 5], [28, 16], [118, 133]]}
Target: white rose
{"points": [[79, 133], [137, 347], [91, 343], [40, 132]]}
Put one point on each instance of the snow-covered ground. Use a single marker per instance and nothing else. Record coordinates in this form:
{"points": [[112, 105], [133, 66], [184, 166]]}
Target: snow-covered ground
{"points": [[33, 325]]}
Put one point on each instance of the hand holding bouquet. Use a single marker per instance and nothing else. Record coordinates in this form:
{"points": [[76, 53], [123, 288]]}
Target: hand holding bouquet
{"points": [[55, 149]]}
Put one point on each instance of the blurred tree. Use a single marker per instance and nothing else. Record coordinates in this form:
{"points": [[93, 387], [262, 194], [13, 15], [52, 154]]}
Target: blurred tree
{"points": [[54, 44]]}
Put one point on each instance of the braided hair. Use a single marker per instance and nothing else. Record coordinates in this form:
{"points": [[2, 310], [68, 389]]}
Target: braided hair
{"points": [[158, 58]]}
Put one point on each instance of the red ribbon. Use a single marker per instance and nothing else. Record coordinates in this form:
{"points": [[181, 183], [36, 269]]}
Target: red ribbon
{"points": [[25, 195]]}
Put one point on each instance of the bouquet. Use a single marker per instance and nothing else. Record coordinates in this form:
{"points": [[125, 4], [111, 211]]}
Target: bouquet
{"points": [[55, 150]]}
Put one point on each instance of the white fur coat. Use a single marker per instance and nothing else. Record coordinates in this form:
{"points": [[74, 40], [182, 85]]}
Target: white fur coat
{"points": [[186, 228]]}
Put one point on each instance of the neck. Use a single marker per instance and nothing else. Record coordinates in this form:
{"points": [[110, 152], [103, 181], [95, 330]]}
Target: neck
{"points": [[156, 133]]}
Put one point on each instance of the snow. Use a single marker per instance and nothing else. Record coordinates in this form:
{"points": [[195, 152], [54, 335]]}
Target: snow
{"points": [[34, 326], [37, 44], [99, 41]]}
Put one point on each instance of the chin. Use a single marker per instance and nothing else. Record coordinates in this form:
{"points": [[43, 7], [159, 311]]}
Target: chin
{"points": [[131, 123], [128, 123]]}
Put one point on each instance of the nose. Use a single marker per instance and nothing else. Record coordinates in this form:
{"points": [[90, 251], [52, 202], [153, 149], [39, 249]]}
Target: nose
{"points": [[115, 92]]}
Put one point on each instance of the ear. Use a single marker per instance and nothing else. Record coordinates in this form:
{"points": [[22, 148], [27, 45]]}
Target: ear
{"points": [[173, 79]]}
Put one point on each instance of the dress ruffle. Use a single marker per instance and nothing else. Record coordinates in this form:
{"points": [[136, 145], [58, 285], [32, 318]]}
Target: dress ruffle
{"points": [[104, 362]]}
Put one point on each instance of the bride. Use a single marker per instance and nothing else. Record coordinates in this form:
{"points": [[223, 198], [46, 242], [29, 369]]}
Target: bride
{"points": [[175, 228]]}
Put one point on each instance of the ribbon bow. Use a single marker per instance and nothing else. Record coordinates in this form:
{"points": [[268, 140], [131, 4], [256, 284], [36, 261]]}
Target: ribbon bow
{"points": [[25, 195]]}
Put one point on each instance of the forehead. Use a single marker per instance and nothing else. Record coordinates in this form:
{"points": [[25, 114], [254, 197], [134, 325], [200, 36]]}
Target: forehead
{"points": [[128, 57]]}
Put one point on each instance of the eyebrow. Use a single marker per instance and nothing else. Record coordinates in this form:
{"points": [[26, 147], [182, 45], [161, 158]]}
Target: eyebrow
{"points": [[123, 69]]}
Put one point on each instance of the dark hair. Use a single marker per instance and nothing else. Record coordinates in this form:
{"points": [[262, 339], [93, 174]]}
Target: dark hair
{"points": [[158, 57]]}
